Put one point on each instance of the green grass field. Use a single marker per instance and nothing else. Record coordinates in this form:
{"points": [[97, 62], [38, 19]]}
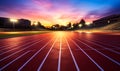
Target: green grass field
{"points": [[18, 34]]}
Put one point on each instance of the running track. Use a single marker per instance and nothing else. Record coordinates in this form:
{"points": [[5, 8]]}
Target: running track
{"points": [[61, 51]]}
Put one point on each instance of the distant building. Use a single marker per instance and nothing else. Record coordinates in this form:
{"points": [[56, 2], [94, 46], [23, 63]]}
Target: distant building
{"points": [[5, 23], [21, 24], [106, 20]]}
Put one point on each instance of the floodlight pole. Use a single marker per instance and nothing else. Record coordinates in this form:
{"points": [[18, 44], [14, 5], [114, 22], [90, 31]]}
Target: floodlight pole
{"points": [[13, 26], [13, 21]]}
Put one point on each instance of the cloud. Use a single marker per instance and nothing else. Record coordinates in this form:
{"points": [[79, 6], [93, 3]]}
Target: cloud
{"points": [[57, 11], [43, 3], [103, 12]]}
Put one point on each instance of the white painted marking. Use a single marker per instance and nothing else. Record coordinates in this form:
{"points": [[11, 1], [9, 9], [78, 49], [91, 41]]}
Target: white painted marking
{"points": [[12, 45], [76, 65], [60, 51], [39, 68], [117, 47], [20, 50], [103, 47], [101, 69], [13, 60], [33, 56], [17, 47], [116, 62]]}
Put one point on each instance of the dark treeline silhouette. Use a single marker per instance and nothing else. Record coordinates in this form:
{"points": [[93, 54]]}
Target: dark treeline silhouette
{"points": [[75, 26], [24, 24], [37, 26], [95, 24]]}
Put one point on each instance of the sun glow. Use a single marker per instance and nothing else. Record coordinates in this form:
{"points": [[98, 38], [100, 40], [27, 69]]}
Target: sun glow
{"points": [[61, 34], [88, 23]]}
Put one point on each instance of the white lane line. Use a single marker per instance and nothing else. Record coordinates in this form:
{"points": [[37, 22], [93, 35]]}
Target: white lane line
{"points": [[20, 50], [40, 66], [76, 65], [108, 44], [103, 47], [4, 49], [12, 45], [60, 51], [101, 69], [114, 61], [113, 43], [14, 60], [7, 45], [18, 47], [33, 56], [117, 47], [3, 46]]}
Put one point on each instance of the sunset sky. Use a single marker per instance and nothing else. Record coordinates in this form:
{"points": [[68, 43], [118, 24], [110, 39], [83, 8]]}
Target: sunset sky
{"points": [[50, 12]]}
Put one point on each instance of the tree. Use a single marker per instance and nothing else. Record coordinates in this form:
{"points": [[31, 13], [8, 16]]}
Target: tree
{"points": [[39, 24], [55, 27], [82, 22], [69, 25]]}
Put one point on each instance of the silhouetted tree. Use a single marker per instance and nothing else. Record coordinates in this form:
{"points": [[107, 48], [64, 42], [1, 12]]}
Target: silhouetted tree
{"points": [[69, 25], [75, 26], [33, 26], [39, 24], [55, 27], [63, 27], [82, 22]]}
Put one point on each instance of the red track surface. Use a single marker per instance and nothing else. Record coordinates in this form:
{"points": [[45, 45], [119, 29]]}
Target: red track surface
{"points": [[61, 51]]}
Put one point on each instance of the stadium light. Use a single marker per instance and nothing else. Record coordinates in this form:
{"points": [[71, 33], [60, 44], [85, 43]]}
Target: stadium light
{"points": [[80, 25], [88, 23], [13, 22], [72, 26]]}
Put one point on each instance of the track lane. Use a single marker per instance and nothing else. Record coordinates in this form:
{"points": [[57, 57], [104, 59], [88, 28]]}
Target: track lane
{"points": [[76, 65], [10, 57], [70, 51], [101, 58], [106, 50], [33, 47], [85, 63], [43, 65]]}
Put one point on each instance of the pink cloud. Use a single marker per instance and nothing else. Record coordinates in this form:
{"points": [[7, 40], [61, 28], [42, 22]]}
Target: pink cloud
{"points": [[43, 3], [48, 12]]}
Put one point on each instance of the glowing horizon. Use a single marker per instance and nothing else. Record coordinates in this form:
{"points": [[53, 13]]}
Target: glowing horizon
{"points": [[50, 12]]}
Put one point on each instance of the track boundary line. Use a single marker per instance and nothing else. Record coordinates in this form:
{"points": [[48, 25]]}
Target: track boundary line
{"points": [[74, 60], [40, 66], [14, 60], [114, 61], [12, 45], [113, 46], [19, 47], [101, 69], [33, 56], [20, 50], [60, 51], [102, 46]]}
